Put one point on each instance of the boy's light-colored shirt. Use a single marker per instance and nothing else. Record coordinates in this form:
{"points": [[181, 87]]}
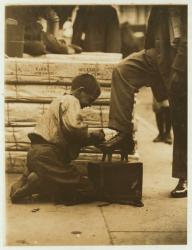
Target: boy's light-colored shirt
{"points": [[62, 121]]}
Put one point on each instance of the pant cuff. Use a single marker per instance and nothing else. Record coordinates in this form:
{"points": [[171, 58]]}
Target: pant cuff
{"points": [[127, 129]]}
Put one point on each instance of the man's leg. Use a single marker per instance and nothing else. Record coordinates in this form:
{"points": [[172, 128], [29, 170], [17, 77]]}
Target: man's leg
{"points": [[137, 70], [178, 105]]}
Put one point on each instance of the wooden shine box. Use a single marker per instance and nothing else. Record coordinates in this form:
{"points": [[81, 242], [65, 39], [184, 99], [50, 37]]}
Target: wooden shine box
{"points": [[118, 182]]}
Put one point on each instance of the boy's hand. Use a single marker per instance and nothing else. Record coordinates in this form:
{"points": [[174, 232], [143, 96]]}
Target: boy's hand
{"points": [[97, 137]]}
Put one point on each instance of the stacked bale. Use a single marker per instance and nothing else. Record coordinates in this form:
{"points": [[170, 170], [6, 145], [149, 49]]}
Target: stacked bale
{"points": [[32, 83]]}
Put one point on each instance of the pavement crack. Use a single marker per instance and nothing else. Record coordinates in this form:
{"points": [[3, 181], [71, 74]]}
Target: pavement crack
{"points": [[107, 227]]}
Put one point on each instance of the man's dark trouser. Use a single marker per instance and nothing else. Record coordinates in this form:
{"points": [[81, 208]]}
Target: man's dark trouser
{"points": [[138, 70]]}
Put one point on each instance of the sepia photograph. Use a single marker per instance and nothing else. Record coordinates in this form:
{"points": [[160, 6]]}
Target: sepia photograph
{"points": [[95, 123]]}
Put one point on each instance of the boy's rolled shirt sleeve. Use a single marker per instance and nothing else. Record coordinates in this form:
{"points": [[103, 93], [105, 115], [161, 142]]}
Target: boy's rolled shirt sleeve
{"points": [[72, 119]]}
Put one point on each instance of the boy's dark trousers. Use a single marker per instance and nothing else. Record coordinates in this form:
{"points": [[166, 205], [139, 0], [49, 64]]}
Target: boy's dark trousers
{"points": [[58, 179]]}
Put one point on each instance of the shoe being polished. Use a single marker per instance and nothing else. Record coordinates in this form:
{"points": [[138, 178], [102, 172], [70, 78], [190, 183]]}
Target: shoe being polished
{"points": [[122, 142], [181, 189]]}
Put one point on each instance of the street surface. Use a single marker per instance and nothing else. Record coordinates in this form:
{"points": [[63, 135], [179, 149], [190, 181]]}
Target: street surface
{"points": [[162, 220]]}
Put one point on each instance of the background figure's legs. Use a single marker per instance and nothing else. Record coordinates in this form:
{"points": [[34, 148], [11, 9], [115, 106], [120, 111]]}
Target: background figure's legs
{"points": [[167, 120], [160, 125]]}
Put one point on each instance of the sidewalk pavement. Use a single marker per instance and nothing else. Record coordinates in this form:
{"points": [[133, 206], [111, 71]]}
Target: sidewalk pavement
{"points": [[162, 220]]}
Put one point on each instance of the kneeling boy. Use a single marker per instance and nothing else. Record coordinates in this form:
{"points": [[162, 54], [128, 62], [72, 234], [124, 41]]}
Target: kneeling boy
{"points": [[56, 141]]}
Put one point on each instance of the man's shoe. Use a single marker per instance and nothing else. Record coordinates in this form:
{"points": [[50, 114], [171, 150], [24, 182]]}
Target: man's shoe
{"points": [[159, 138], [181, 189], [122, 142], [168, 138], [113, 143]]}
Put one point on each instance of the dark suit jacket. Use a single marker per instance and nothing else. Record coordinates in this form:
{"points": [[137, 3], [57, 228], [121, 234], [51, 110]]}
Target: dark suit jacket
{"points": [[168, 56], [171, 51]]}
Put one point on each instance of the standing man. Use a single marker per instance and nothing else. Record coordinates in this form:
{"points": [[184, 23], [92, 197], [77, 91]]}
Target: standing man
{"points": [[162, 65]]}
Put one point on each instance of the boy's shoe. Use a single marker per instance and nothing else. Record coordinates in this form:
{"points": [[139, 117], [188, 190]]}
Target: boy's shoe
{"points": [[20, 193], [159, 138], [168, 138], [29, 188], [180, 190], [18, 184]]}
